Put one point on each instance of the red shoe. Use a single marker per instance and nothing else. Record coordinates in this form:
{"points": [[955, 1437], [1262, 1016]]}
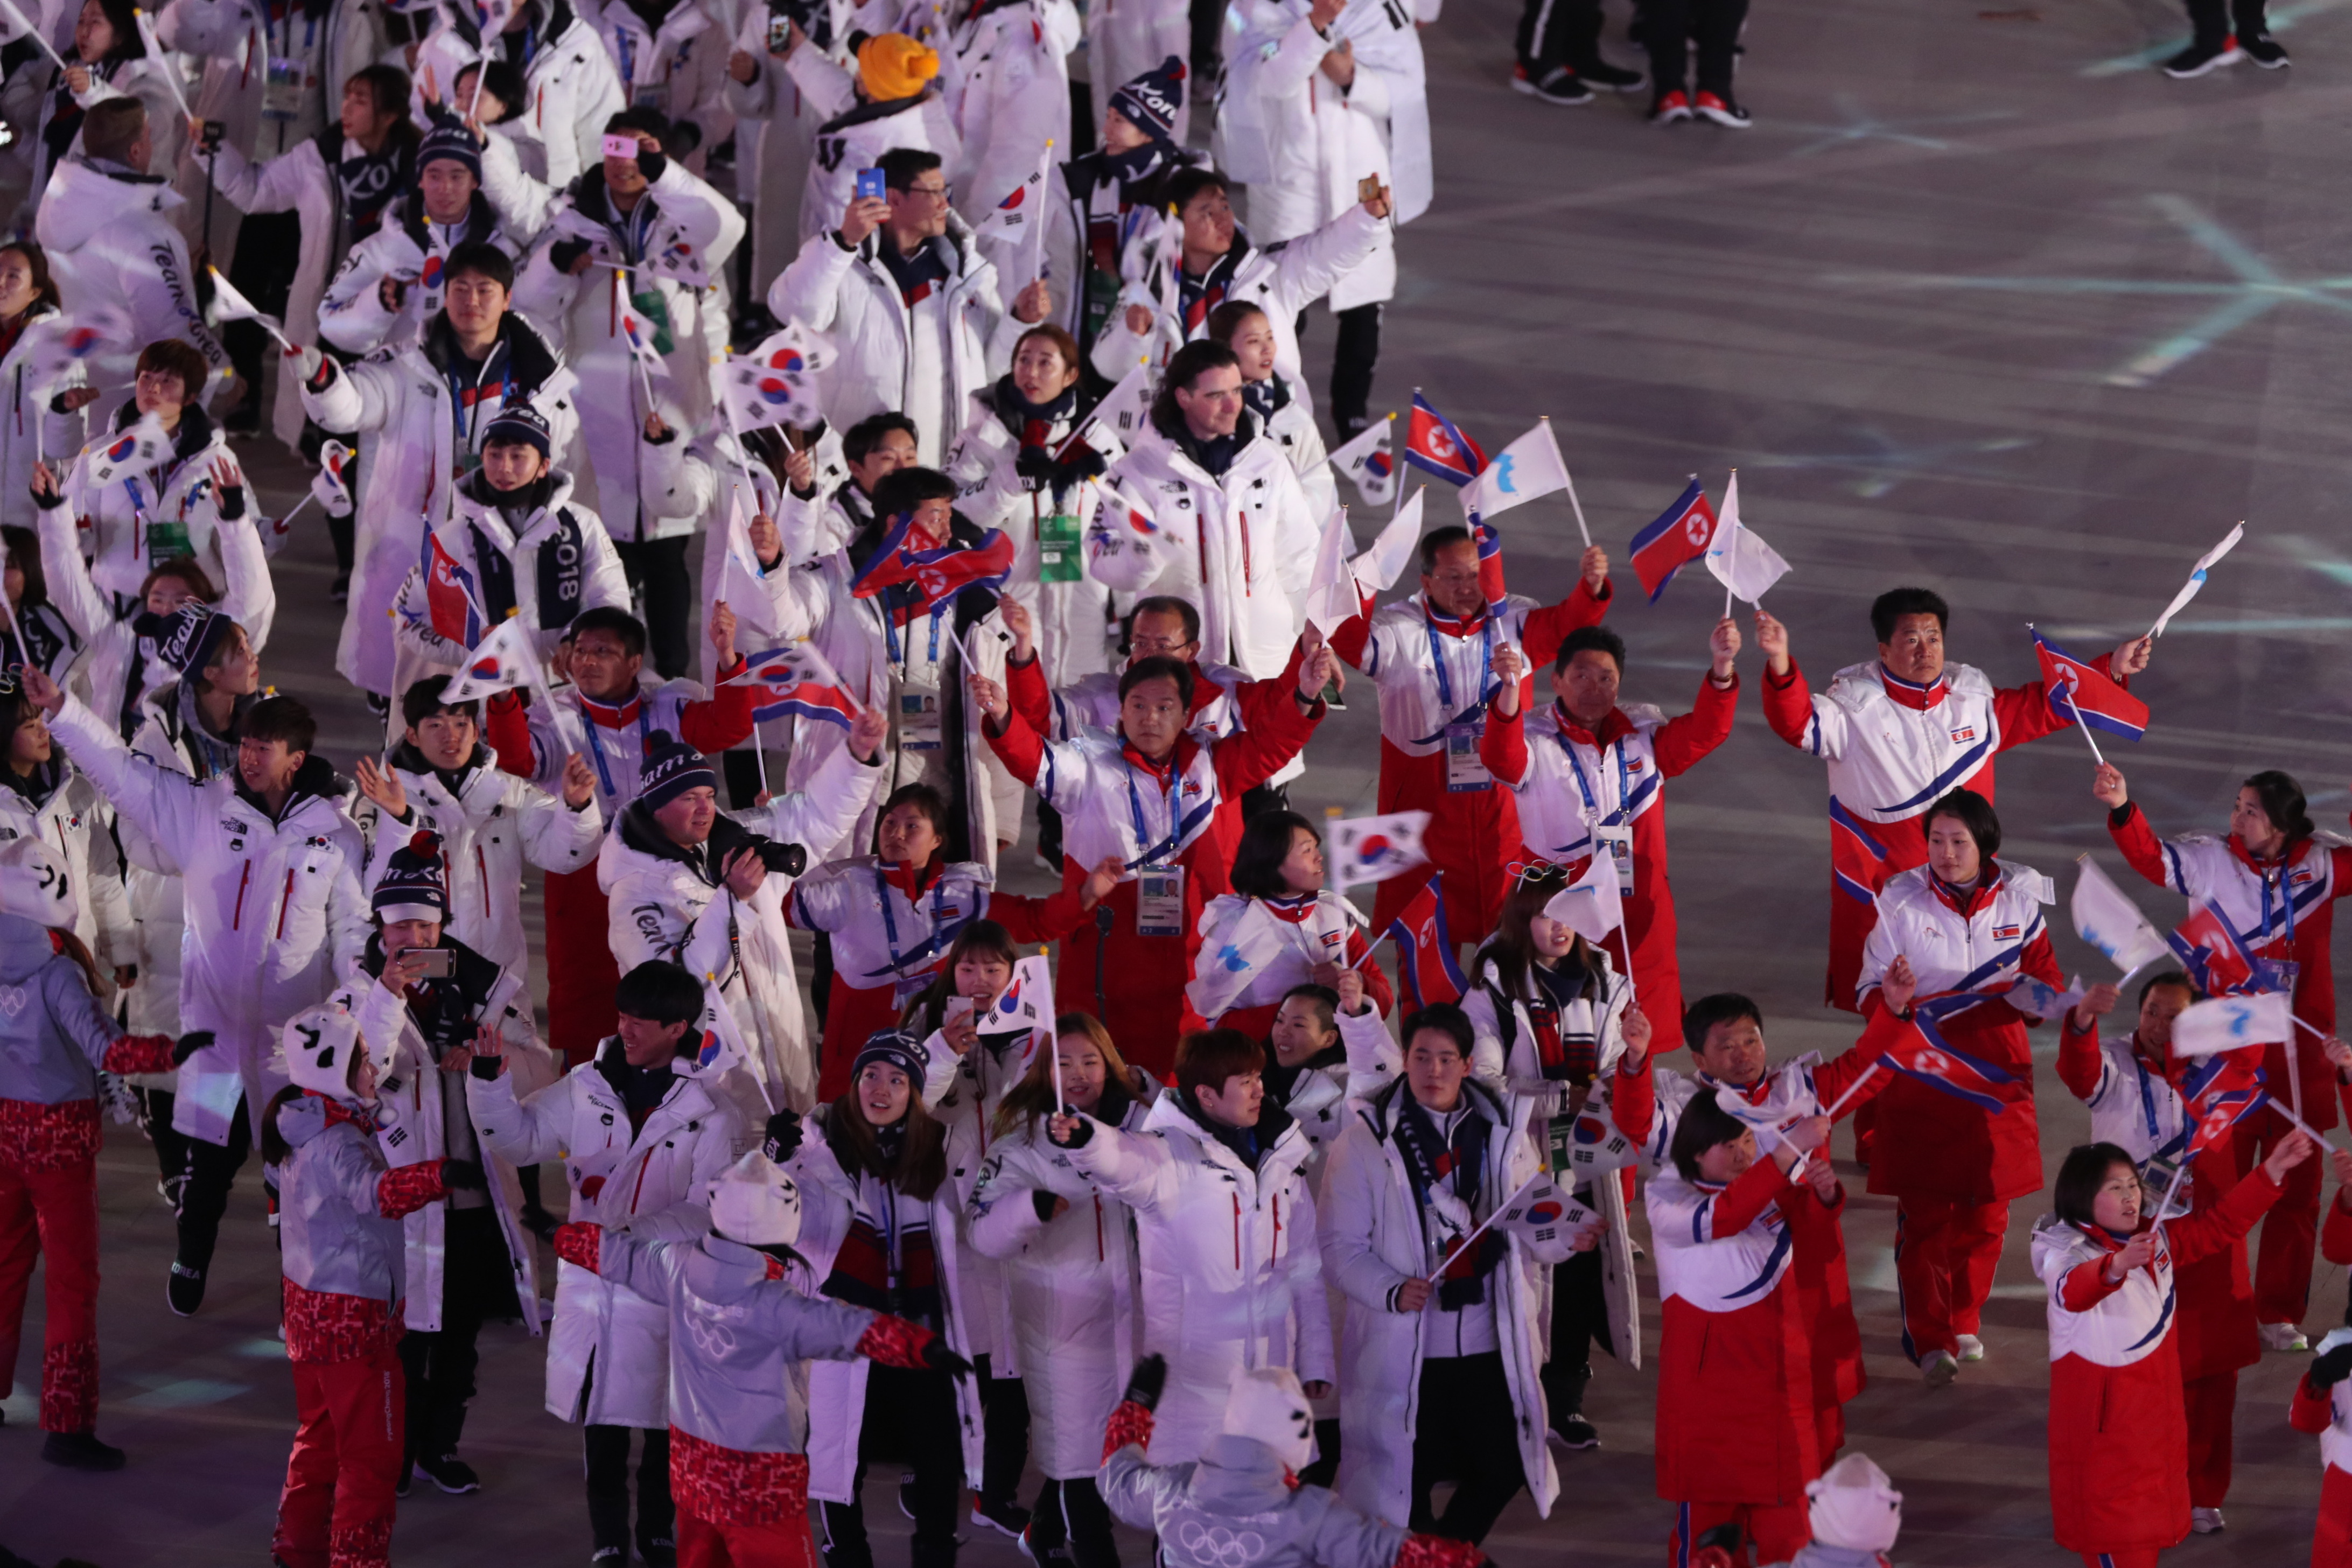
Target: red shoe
{"points": [[1722, 111], [1669, 108]]}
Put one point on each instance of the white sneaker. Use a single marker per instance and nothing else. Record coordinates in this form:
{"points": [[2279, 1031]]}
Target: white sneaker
{"points": [[1940, 1369], [2283, 1337], [1971, 1347], [2205, 1521]]}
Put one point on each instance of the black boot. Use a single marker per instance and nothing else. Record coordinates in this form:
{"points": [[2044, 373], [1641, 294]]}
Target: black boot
{"points": [[1570, 1429]]}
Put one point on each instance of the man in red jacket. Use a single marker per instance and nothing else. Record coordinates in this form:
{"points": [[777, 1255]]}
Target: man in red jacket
{"points": [[1432, 656], [1588, 776]]}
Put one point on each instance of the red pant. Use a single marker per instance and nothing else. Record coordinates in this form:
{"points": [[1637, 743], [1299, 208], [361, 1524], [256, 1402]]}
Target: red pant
{"points": [[784, 1544], [48, 1205], [1945, 1252], [2211, 1403], [2289, 1232], [1777, 1531], [2331, 1543], [581, 973], [336, 1511]]}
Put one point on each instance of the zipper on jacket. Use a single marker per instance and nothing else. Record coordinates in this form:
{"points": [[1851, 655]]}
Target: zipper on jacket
{"points": [[236, 917], [482, 868], [1237, 1232], [285, 903], [1274, 1247], [1099, 1254]]}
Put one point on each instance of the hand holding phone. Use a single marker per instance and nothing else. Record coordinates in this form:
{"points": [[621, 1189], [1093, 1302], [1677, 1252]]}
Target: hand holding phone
{"points": [[430, 962], [871, 185], [623, 146]]}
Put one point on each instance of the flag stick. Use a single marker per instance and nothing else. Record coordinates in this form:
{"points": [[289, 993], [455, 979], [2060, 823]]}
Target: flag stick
{"points": [[283, 341], [1572, 501], [1838, 1104], [646, 380], [1463, 1245], [171, 72], [2085, 728], [35, 33], [2178, 1172], [1037, 251]]}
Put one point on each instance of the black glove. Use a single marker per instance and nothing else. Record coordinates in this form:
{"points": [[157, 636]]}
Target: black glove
{"points": [[1147, 1381], [189, 1043], [783, 1137], [1076, 1139], [49, 499], [1035, 465], [487, 1069], [232, 502], [651, 164], [1043, 1202], [564, 252], [464, 1176], [679, 140], [940, 1358], [1085, 463], [2330, 1367]]}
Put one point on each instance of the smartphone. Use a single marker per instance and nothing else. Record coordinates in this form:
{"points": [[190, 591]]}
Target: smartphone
{"points": [[1368, 188], [958, 1008], [780, 34], [623, 147], [870, 185], [437, 962]]}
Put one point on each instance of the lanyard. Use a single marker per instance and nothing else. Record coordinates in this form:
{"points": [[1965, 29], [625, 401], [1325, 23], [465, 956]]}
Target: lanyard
{"points": [[2286, 903], [890, 635], [1437, 658], [899, 962], [462, 414], [2147, 1099], [1624, 780], [596, 749], [1142, 831], [627, 47]]}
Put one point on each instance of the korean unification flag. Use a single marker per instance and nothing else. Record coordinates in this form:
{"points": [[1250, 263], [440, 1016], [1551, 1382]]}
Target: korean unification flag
{"points": [[2227, 1023], [1222, 975], [2106, 917], [1528, 467], [1589, 906], [1736, 557], [501, 661], [1370, 462], [1385, 559], [1331, 596], [1374, 849]]}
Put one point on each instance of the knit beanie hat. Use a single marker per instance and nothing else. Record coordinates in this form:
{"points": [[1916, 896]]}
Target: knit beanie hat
{"points": [[34, 885], [892, 1049], [518, 424], [414, 886], [753, 1202], [1150, 101], [192, 639], [894, 66], [1855, 1507], [452, 141], [1267, 1403], [670, 770]]}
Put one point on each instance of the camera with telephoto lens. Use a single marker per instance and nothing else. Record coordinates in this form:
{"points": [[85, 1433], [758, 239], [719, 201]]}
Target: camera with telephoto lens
{"points": [[783, 859]]}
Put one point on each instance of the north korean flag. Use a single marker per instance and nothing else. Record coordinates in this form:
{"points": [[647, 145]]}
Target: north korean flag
{"points": [[1924, 1054], [2216, 960], [1676, 537], [2222, 1090], [2076, 688], [1425, 961], [1434, 444], [934, 576]]}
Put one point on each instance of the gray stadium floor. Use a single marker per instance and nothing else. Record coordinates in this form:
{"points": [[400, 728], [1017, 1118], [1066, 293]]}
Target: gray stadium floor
{"points": [[1983, 302]]}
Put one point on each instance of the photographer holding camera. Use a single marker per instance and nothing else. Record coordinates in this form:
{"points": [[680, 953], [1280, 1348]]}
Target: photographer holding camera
{"points": [[693, 886]]}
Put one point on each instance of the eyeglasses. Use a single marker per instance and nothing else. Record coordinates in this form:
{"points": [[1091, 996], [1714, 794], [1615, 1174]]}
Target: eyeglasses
{"points": [[937, 193]]}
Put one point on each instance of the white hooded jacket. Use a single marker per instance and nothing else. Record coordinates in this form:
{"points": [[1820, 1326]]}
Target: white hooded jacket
{"points": [[114, 244]]}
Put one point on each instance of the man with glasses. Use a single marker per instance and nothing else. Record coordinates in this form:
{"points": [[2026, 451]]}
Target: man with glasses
{"points": [[910, 303], [1432, 656]]}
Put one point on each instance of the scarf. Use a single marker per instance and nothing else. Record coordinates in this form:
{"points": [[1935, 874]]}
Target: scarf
{"points": [[560, 564], [1215, 455], [1265, 398], [1566, 1024], [365, 182], [641, 1090], [1444, 1171], [210, 754]]}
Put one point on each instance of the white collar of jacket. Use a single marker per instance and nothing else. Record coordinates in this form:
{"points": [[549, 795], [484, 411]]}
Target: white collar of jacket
{"points": [[968, 258], [1860, 686], [1382, 1111], [467, 512], [1170, 1118]]}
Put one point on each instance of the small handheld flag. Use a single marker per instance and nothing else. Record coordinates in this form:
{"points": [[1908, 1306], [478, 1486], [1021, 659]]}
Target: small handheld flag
{"points": [[718, 1037], [1220, 975], [1435, 446], [331, 483], [935, 575], [123, 453], [170, 73], [500, 662], [2230, 1023], [1385, 561], [1673, 539], [2217, 960], [1541, 1212], [2196, 583], [1529, 468], [2107, 919], [1920, 1052], [1425, 960], [1375, 849], [1589, 906], [775, 383], [1331, 598], [1738, 558], [1370, 462], [795, 681], [2081, 693], [229, 305], [1120, 415]]}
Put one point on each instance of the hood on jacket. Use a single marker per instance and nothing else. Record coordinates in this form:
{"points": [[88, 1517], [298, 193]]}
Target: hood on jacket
{"points": [[1385, 1107], [314, 780], [301, 1119], [1238, 1476], [528, 355], [83, 202], [2057, 1240], [476, 501], [725, 1272], [40, 787], [1176, 1112], [26, 948], [642, 834]]}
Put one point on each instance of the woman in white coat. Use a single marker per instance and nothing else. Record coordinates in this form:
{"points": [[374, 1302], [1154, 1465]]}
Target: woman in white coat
{"points": [[1280, 928], [1553, 1020], [1070, 1254], [882, 1228], [1010, 463], [1441, 1343], [37, 420], [641, 1139], [44, 796]]}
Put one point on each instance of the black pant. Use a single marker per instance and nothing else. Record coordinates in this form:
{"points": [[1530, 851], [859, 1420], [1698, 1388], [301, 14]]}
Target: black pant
{"points": [[269, 246], [606, 1450], [1326, 1468], [2215, 20], [1580, 1320], [1072, 1513], [477, 1283], [212, 1168], [1668, 26], [1466, 1432], [1004, 1434], [171, 1148], [657, 570], [1353, 360], [910, 1417], [1555, 33]]}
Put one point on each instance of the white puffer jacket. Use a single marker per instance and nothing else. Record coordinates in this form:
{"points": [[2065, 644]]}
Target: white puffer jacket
{"points": [[655, 1179], [29, 430], [62, 809], [413, 250], [677, 68], [593, 564], [138, 519], [569, 89], [114, 244], [1010, 94]]}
